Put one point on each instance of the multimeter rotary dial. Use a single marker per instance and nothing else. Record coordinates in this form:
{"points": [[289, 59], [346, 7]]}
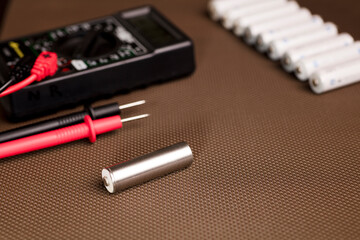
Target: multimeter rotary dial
{"points": [[87, 45]]}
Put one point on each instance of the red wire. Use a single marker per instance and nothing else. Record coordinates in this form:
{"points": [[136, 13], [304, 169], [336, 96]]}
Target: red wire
{"points": [[45, 65], [89, 129], [18, 86]]}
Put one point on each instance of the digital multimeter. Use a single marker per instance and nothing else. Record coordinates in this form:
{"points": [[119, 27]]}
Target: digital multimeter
{"points": [[98, 58]]}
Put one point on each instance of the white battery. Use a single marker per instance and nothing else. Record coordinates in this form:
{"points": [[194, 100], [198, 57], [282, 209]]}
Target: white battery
{"points": [[292, 56], [304, 68], [335, 77], [254, 30], [231, 15], [278, 48], [217, 8], [264, 39], [261, 16]]}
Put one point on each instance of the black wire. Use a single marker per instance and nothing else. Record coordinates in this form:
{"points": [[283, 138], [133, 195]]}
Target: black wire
{"points": [[21, 71], [103, 111], [7, 84]]}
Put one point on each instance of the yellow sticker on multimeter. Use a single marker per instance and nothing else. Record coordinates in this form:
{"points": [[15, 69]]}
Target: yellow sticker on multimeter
{"points": [[15, 46]]}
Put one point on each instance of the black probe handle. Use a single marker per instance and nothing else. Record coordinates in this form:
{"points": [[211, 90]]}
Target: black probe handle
{"points": [[60, 122]]}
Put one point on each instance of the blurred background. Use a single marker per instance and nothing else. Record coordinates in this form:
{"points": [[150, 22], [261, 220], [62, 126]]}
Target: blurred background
{"points": [[23, 17]]}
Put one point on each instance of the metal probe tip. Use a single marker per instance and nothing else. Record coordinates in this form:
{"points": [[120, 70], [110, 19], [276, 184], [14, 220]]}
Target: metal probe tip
{"points": [[135, 118], [133, 104]]}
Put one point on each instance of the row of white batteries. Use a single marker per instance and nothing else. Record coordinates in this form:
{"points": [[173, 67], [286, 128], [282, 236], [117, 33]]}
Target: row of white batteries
{"points": [[314, 50]]}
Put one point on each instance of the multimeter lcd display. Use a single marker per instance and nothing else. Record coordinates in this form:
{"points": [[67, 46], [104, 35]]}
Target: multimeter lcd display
{"points": [[148, 27]]}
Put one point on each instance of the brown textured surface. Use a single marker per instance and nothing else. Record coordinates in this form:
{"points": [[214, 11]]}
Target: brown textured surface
{"points": [[272, 160]]}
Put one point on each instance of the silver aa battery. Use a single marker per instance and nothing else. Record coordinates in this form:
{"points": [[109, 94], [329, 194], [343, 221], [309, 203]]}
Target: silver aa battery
{"points": [[278, 48], [231, 15], [263, 41], [292, 56], [242, 23], [335, 77], [306, 67], [254, 30], [147, 167], [217, 8]]}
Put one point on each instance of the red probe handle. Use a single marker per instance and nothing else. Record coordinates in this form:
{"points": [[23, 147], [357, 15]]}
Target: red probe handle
{"points": [[60, 136]]}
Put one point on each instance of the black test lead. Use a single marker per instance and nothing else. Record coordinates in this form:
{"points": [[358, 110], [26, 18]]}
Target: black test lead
{"points": [[67, 120], [88, 129]]}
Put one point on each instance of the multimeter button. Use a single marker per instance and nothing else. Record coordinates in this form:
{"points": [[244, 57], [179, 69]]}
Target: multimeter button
{"points": [[122, 55], [79, 65], [97, 27], [69, 30], [91, 63], [72, 29], [139, 50], [103, 60], [47, 44], [128, 53], [86, 26], [109, 28], [7, 52], [114, 57], [37, 46], [27, 43], [53, 36], [75, 28], [60, 33]]}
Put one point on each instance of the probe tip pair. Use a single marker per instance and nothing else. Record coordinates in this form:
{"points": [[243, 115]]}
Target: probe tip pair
{"points": [[133, 104]]}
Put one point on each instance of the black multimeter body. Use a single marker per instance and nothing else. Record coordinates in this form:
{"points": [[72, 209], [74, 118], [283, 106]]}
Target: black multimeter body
{"points": [[98, 58]]}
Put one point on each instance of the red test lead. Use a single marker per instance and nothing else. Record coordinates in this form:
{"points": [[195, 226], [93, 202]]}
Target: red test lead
{"points": [[88, 129]]}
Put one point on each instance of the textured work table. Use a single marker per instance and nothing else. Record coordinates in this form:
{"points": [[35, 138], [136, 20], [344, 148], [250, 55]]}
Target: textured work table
{"points": [[272, 159]]}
